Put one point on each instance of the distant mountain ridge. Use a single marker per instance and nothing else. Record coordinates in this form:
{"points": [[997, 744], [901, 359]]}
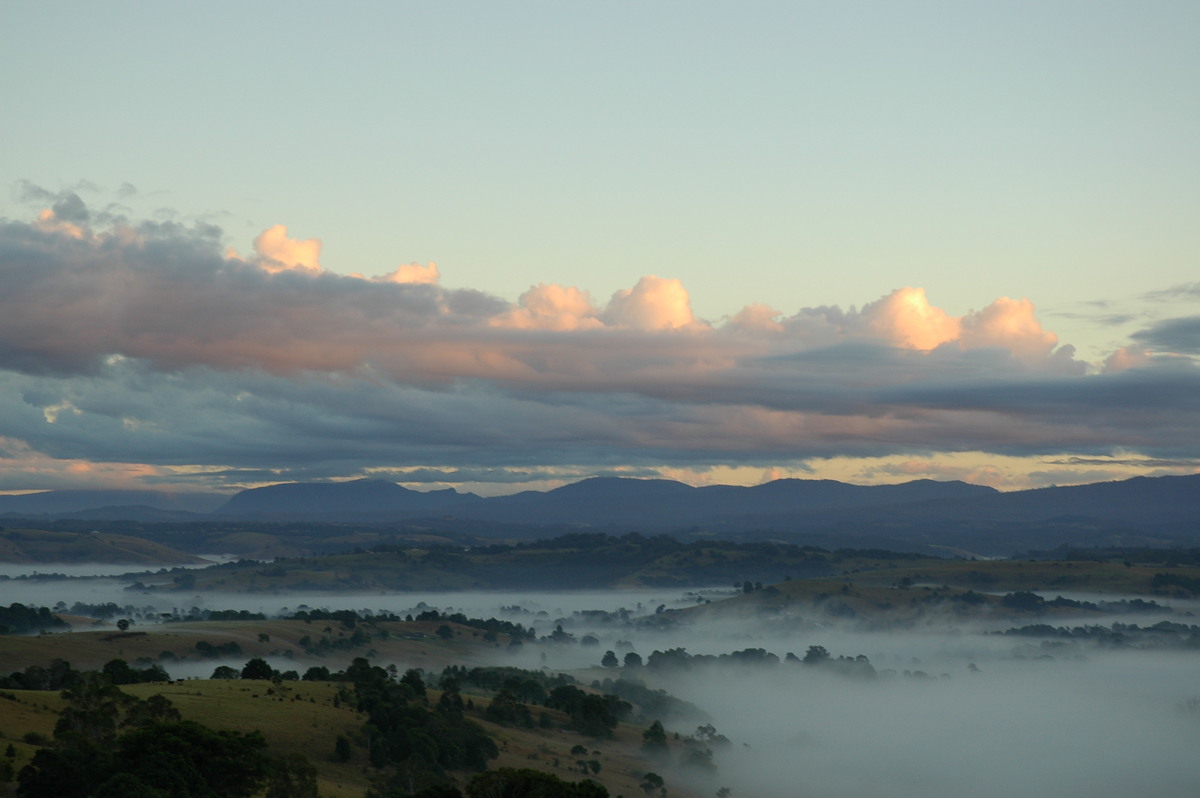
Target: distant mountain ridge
{"points": [[354, 499], [64, 502], [921, 514]]}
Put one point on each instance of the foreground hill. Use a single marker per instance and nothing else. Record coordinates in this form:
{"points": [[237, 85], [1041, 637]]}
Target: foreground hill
{"points": [[306, 717]]}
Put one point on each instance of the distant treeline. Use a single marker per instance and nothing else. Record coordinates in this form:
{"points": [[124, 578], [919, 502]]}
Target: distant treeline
{"points": [[18, 619], [59, 675], [1164, 634]]}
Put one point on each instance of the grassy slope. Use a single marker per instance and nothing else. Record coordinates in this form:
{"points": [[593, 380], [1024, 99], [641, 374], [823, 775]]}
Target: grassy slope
{"points": [[299, 717], [46, 546]]}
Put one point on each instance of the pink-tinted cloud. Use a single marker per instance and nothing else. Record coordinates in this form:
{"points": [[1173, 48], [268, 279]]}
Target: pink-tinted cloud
{"points": [[552, 307], [655, 303], [758, 317], [1009, 324], [269, 358], [412, 273], [275, 252], [905, 318]]}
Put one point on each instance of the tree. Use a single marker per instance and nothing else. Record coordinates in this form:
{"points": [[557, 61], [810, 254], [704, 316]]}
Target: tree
{"points": [[317, 673], [224, 672], [291, 776], [610, 659], [816, 655], [123, 624], [127, 785], [258, 668], [633, 660], [188, 760], [119, 672], [654, 739], [528, 783], [412, 678], [93, 708], [651, 782], [341, 749]]}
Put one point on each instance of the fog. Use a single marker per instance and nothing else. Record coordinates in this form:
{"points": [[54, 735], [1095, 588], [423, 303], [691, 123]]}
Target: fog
{"points": [[1107, 726], [953, 709]]}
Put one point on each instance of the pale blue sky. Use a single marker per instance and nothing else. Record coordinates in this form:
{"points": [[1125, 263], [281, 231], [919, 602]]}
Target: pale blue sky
{"points": [[791, 153], [794, 154]]}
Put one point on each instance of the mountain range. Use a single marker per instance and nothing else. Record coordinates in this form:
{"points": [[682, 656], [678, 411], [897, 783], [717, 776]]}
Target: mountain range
{"points": [[922, 514]]}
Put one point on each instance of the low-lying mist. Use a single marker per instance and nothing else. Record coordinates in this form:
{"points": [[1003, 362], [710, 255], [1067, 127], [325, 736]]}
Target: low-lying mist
{"points": [[1108, 725]]}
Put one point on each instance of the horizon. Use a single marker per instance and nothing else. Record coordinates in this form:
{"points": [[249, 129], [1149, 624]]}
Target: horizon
{"points": [[461, 491]]}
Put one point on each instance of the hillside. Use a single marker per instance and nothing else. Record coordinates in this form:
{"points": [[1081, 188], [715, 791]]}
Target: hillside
{"points": [[46, 546]]}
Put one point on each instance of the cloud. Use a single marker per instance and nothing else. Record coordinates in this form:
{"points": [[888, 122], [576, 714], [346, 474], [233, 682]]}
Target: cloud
{"points": [[1182, 291], [906, 318], [1179, 336], [552, 307], [655, 303], [153, 343], [1008, 324], [276, 252], [412, 273], [758, 317]]}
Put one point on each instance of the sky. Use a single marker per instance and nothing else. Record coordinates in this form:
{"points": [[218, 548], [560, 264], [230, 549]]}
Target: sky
{"points": [[497, 247]]}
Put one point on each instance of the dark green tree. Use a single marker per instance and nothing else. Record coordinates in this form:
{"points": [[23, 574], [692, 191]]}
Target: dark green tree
{"points": [[188, 760], [651, 782], [291, 776], [528, 783], [258, 668], [816, 655], [654, 740], [412, 678]]}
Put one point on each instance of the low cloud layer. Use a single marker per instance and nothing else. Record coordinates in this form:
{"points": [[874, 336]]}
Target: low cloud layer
{"points": [[151, 345]]}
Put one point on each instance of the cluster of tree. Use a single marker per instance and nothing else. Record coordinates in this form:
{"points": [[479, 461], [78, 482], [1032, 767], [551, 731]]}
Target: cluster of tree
{"points": [[414, 743], [514, 783], [359, 637], [59, 675], [233, 615], [347, 618], [819, 656], [111, 745], [490, 626], [595, 715], [19, 619], [1028, 601], [1180, 583], [227, 649], [681, 659], [103, 611], [1164, 634], [651, 702], [255, 668], [529, 686]]}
